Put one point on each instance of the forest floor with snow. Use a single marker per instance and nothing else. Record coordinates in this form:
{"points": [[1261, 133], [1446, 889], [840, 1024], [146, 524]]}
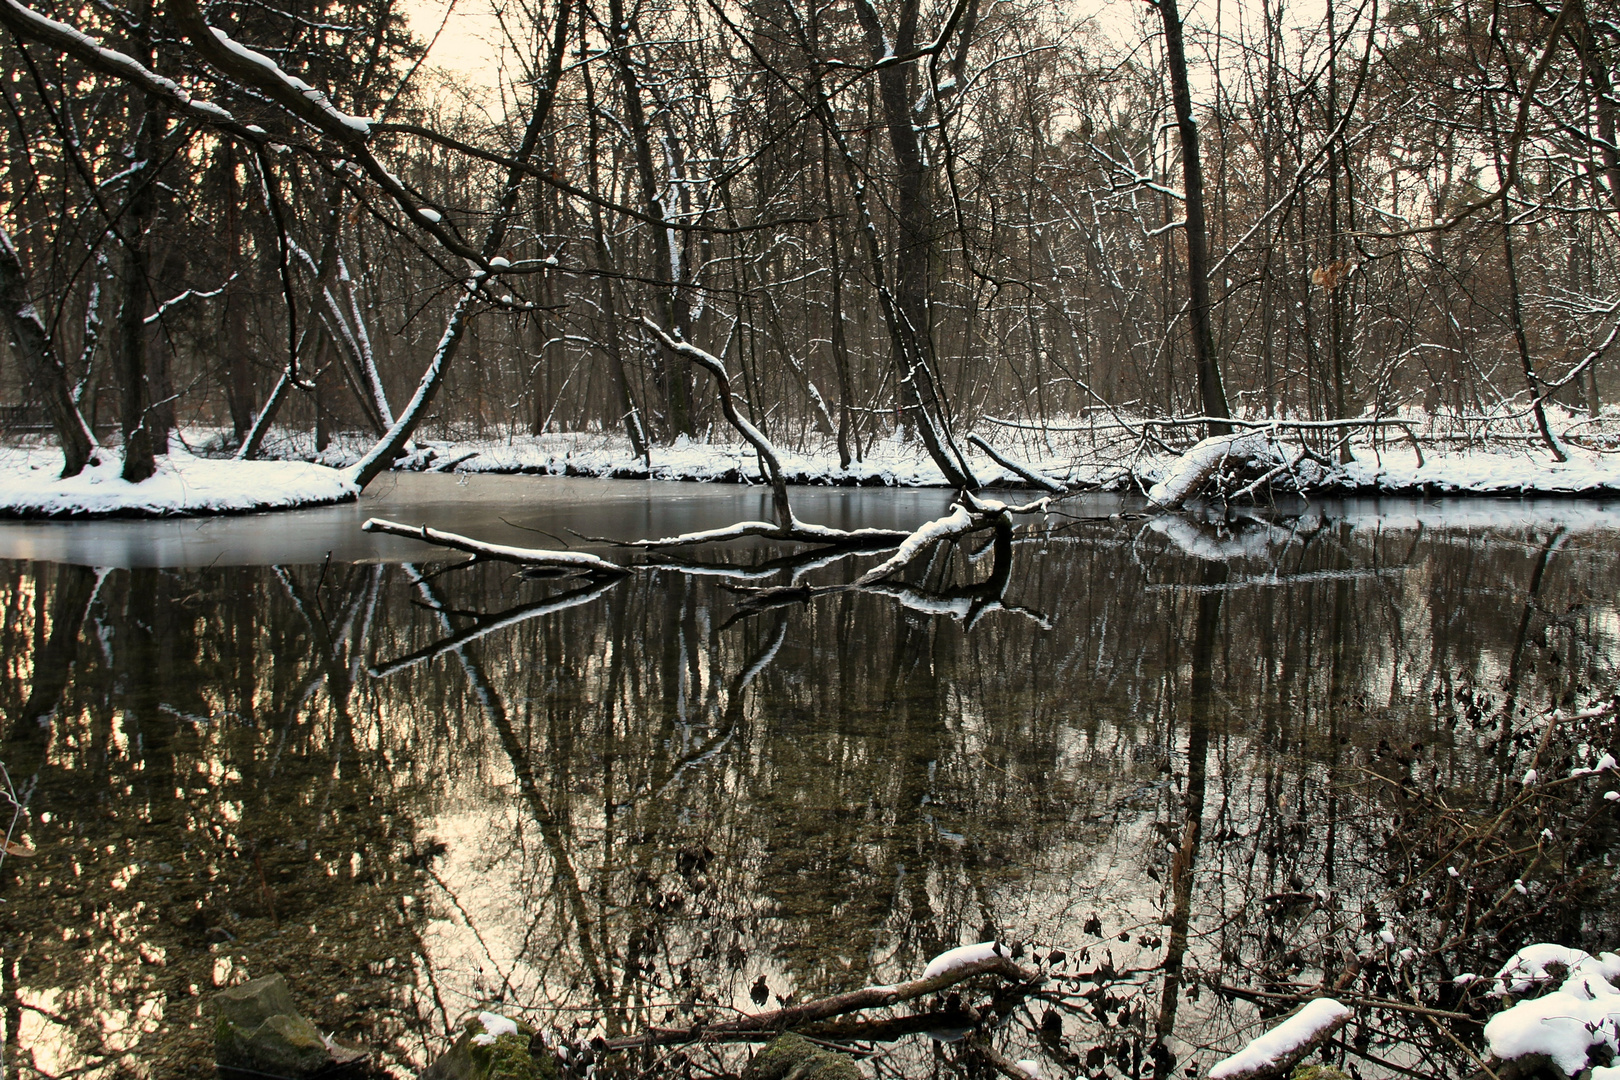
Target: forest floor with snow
{"points": [[191, 481]]}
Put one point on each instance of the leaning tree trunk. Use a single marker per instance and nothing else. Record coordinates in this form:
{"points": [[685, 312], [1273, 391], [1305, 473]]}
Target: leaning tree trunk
{"points": [[40, 362], [389, 447], [904, 297]]}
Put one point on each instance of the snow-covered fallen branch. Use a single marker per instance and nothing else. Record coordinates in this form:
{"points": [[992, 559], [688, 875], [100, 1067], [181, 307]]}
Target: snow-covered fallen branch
{"points": [[1201, 461], [1284, 1046], [959, 522], [1017, 469], [969, 515], [796, 532], [578, 560]]}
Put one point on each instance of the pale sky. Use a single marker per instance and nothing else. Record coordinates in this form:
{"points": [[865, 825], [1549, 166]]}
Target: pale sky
{"points": [[469, 46]]}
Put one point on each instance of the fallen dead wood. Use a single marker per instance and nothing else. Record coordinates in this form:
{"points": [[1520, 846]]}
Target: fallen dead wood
{"points": [[579, 560], [1023, 471], [796, 532], [795, 1016], [968, 515]]}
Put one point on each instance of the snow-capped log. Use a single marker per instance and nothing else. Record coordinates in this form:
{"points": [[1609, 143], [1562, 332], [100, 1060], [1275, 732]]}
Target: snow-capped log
{"points": [[796, 531], [969, 515], [1202, 460], [1280, 1049], [576, 560], [958, 522], [1023, 471]]}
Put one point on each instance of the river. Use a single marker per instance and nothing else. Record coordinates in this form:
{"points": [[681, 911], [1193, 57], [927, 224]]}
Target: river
{"points": [[1189, 753]]}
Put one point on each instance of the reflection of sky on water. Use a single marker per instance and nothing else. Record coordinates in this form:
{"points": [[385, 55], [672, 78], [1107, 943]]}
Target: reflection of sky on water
{"points": [[604, 805]]}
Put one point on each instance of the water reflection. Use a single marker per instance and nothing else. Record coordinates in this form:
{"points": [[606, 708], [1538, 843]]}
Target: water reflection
{"points": [[417, 790]]}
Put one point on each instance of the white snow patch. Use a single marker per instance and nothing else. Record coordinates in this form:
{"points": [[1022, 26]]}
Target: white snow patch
{"points": [[1029, 1067], [1584, 1012], [1535, 964], [31, 485], [497, 1025], [1604, 762], [1203, 458], [1283, 1040], [427, 213], [961, 957]]}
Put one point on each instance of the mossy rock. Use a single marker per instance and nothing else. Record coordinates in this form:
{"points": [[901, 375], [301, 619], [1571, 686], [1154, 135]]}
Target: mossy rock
{"points": [[793, 1057], [476, 1055], [260, 1030], [1319, 1072]]}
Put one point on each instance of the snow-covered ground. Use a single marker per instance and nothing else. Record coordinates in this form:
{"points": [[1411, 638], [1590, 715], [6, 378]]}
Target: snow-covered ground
{"points": [[190, 484], [1390, 468], [31, 486]]}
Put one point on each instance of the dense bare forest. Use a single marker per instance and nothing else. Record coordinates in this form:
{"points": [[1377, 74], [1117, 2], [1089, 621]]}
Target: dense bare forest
{"points": [[942, 217]]}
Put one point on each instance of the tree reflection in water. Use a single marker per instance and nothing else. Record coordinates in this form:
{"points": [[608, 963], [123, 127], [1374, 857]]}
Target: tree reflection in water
{"points": [[1185, 762]]}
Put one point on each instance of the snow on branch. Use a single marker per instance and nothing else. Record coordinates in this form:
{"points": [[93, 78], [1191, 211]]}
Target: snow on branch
{"points": [[190, 294], [756, 438], [1016, 468], [971, 514], [578, 560], [30, 25], [959, 522], [1279, 1049], [1202, 460]]}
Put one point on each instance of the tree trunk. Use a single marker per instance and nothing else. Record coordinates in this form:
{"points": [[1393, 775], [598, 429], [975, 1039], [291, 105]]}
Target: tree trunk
{"points": [[239, 377], [389, 447], [1211, 394], [40, 362], [675, 314]]}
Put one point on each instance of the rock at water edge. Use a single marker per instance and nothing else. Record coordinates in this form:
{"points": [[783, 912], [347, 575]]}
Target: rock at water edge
{"points": [[492, 1047], [260, 1030], [793, 1057]]}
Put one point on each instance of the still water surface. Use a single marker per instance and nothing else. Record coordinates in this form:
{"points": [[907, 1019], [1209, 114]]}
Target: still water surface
{"points": [[275, 743]]}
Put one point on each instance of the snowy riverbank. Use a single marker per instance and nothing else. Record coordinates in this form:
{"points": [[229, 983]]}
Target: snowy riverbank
{"points": [[191, 484], [30, 486], [1388, 469]]}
